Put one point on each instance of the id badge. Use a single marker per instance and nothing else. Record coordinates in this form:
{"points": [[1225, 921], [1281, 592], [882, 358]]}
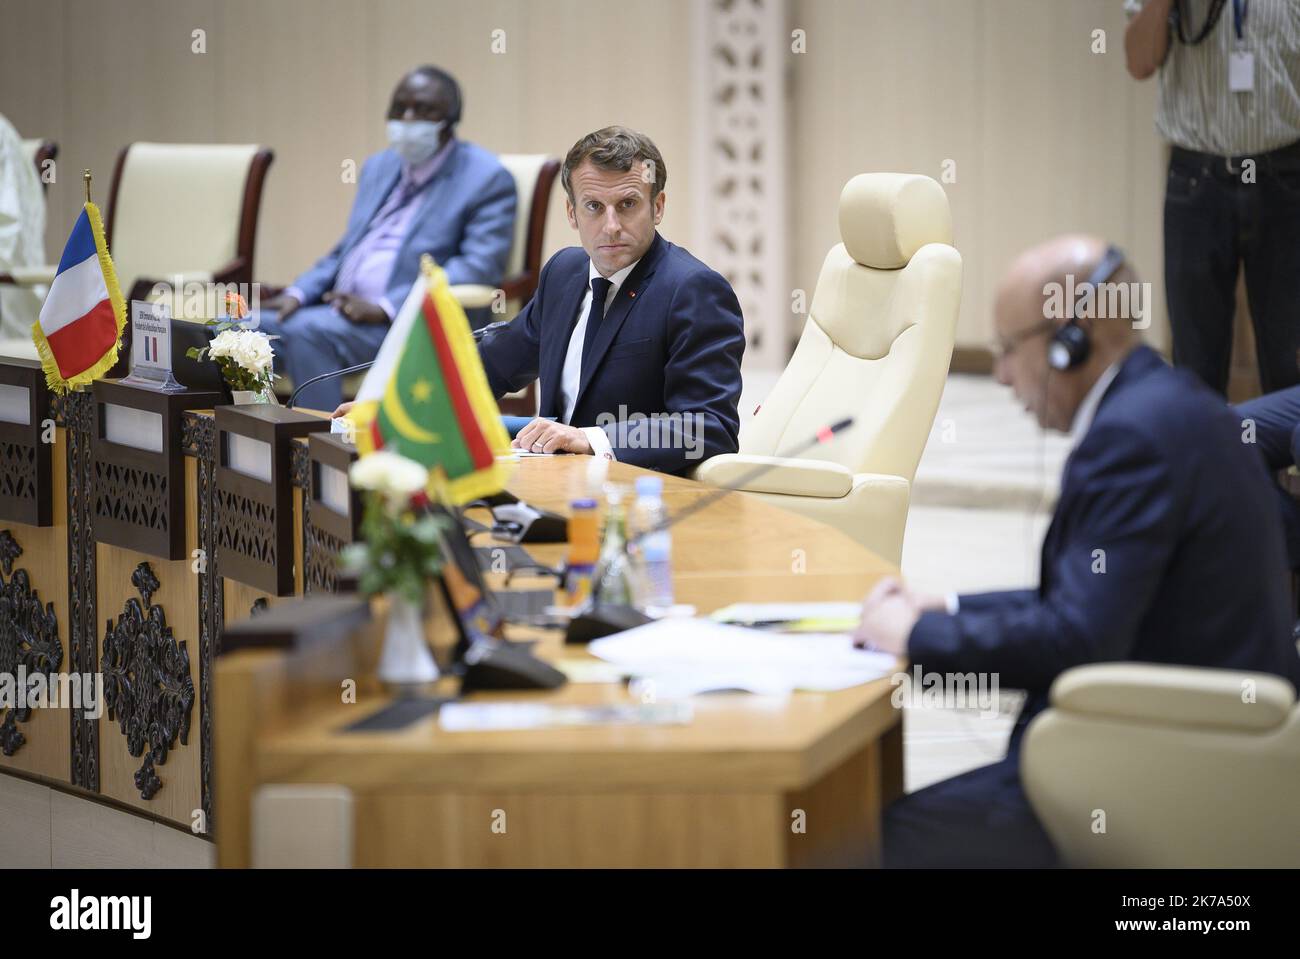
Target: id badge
{"points": [[1241, 71]]}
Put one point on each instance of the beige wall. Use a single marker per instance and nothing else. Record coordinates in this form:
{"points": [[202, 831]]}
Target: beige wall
{"points": [[1046, 135]]}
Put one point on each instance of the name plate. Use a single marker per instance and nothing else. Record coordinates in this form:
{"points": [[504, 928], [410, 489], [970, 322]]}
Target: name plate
{"points": [[334, 490], [151, 348], [248, 456], [138, 429], [15, 404]]}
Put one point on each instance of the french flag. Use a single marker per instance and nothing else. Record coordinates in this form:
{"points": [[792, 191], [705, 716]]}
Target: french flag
{"points": [[83, 312]]}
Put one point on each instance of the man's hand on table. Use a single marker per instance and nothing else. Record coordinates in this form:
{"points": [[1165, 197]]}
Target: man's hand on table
{"points": [[548, 436], [889, 612]]}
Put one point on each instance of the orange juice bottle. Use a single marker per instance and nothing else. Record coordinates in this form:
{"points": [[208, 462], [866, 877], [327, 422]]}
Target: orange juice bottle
{"points": [[584, 550]]}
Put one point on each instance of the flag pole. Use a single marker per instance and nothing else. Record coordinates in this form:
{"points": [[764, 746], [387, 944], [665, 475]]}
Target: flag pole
{"points": [[85, 175]]}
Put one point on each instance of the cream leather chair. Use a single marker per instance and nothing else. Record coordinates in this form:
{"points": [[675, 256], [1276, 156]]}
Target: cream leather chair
{"points": [[534, 175], [179, 210], [1187, 771], [876, 347], [187, 210]]}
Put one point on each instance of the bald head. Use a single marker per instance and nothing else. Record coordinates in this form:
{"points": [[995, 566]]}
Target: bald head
{"points": [[1035, 285], [1039, 294]]}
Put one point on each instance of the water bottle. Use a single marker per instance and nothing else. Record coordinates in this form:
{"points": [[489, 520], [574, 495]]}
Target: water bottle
{"points": [[653, 553], [613, 582]]}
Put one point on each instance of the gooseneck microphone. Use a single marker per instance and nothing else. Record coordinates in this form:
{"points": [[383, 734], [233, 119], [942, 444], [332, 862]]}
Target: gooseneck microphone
{"points": [[329, 376], [603, 619], [822, 436]]}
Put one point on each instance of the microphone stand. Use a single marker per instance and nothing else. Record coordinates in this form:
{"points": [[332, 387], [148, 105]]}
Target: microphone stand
{"points": [[328, 376]]}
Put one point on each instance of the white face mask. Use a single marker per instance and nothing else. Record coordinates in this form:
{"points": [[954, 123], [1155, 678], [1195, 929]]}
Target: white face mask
{"points": [[415, 140]]}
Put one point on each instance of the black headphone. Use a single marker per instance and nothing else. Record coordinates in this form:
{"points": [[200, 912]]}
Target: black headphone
{"points": [[1071, 344]]}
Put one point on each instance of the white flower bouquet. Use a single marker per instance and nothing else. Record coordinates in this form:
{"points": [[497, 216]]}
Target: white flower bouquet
{"points": [[401, 548]]}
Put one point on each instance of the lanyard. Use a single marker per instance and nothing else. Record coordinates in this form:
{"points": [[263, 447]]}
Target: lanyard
{"points": [[1239, 10]]}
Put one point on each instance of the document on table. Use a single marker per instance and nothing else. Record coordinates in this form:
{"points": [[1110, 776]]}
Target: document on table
{"points": [[685, 657]]}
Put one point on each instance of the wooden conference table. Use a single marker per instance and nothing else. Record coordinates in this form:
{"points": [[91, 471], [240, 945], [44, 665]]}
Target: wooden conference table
{"points": [[750, 781]]}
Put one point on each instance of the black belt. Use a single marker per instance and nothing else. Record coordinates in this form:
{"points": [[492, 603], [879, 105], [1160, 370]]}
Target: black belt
{"points": [[1231, 165]]}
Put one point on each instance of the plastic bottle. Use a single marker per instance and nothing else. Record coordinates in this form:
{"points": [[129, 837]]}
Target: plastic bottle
{"points": [[652, 546], [613, 581], [584, 550]]}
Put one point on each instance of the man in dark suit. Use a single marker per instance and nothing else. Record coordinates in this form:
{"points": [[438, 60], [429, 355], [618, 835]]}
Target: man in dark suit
{"points": [[1164, 548], [637, 343], [1271, 423]]}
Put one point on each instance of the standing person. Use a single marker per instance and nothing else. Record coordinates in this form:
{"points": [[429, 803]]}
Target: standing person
{"points": [[1229, 106]]}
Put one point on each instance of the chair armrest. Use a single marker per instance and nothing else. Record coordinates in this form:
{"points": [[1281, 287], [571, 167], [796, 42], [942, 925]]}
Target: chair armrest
{"points": [[30, 275], [521, 286], [1175, 695], [474, 295], [787, 475], [232, 271]]}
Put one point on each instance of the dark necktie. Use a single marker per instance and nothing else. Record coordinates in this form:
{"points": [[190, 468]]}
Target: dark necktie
{"points": [[599, 291]]}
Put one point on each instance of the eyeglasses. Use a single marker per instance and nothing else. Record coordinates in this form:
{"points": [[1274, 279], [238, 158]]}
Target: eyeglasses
{"points": [[1004, 346]]}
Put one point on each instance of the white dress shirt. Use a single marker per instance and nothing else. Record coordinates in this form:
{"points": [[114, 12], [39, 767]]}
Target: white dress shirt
{"points": [[1088, 408], [571, 376]]}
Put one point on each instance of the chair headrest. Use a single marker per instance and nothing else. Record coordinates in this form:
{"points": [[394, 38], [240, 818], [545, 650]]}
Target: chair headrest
{"points": [[886, 217]]}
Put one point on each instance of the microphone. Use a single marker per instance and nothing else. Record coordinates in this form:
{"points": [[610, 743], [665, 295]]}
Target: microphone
{"points": [[483, 331], [604, 619], [327, 376], [822, 436]]}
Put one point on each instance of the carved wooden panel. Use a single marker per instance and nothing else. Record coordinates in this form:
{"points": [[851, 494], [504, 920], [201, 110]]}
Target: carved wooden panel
{"points": [[132, 497], [147, 684], [246, 526], [198, 440], [324, 531], [17, 471], [83, 652], [29, 638]]}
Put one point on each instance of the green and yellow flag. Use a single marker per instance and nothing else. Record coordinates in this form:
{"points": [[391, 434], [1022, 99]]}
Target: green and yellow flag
{"points": [[427, 397]]}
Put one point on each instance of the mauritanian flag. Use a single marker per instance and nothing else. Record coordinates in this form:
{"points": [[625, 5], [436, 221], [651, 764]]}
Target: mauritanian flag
{"points": [[77, 332], [427, 397]]}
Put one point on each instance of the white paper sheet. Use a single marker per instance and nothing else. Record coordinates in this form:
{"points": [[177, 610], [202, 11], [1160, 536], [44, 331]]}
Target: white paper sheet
{"points": [[785, 612], [684, 657]]}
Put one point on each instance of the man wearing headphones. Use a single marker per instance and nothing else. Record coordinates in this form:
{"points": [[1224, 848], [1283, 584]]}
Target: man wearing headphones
{"points": [[429, 192], [1164, 547]]}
